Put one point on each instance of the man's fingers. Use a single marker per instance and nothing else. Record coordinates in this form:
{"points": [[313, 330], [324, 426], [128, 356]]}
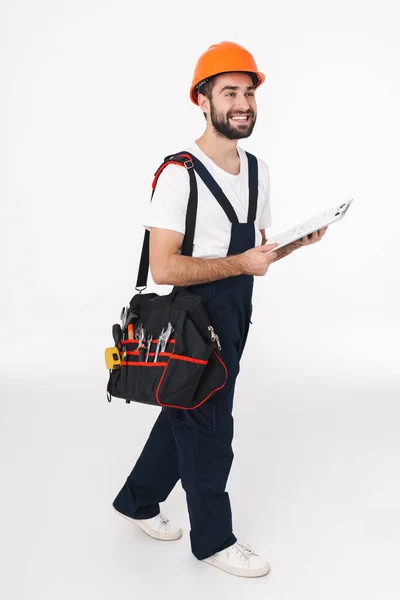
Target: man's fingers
{"points": [[266, 247]]}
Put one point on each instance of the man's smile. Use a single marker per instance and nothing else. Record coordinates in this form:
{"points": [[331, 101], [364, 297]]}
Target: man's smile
{"points": [[240, 118]]}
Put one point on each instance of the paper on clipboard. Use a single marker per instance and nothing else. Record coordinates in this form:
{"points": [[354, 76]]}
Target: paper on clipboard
{"points": [[319, 221]]}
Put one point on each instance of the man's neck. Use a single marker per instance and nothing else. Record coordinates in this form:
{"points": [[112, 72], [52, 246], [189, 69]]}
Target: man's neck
{"points": [[220, 150], [216, 146]]}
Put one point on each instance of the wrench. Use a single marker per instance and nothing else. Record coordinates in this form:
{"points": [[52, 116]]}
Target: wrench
{"points": [[159, 344], [166, 336], [138, 330], [163, 340], [149, 340], [141, 344], [124, 314]]}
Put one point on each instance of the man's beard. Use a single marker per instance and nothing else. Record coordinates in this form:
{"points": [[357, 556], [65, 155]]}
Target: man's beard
{"points": [[223, 126]]}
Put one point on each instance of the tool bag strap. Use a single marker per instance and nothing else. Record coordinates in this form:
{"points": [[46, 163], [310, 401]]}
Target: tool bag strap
{"points": [[185, 160]]}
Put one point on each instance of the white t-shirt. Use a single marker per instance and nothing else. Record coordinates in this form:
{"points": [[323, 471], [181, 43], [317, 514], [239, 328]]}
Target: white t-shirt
{"points": [[167, 209]]}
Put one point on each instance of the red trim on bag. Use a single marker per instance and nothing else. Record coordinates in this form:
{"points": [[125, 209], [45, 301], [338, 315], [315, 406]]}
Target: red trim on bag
{"points": [[171, 341], [176, 357], [200, 403], [128, 363], [136, 353], [193, 360], [170, 162]]}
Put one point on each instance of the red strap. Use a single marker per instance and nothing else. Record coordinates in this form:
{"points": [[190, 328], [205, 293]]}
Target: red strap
{"points": [[169, 162]]}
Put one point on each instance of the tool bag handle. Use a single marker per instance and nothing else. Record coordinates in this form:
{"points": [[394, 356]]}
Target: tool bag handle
{"points": [[185, 160]]}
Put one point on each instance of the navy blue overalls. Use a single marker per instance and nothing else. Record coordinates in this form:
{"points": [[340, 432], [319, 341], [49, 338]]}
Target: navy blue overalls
{"points": [[196, 445]]}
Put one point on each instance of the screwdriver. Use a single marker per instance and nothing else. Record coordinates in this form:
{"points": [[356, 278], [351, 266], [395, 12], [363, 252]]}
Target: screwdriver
{"points": [[142, 346], [117, 334]]}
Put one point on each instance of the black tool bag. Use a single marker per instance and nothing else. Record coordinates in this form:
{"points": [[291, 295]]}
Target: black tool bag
{"points": [[190, 368]]}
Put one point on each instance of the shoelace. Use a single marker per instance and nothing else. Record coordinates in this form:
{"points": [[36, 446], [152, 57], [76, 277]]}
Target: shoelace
{"points": [[163, 520], [244, 550]]}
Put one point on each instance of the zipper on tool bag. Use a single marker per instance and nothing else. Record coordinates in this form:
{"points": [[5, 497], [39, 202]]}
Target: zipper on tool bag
{"points": [[214, 336]]}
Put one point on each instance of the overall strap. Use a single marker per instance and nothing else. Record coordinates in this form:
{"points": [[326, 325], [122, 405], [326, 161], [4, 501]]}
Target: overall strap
{"points": [[253, 187], [185, 160], [215, 189], [219, 194]]}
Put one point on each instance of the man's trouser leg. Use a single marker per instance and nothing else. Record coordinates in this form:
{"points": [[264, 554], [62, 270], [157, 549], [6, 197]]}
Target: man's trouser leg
{"points": [[154, 474], [204, 435], [204, 441]]}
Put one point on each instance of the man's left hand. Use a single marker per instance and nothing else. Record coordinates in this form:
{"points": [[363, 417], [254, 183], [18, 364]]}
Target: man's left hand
{"points": [[307, 240], [311, 238]]}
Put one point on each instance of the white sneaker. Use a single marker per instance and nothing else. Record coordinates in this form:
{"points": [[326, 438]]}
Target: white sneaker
{"points": [[239, 560], [158, 527]]}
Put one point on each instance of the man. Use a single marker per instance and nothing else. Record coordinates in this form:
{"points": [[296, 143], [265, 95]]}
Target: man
{"points": [[229, 250]]}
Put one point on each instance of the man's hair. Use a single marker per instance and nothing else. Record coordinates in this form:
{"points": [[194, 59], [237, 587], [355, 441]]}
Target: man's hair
{"points": [[206, 86]]}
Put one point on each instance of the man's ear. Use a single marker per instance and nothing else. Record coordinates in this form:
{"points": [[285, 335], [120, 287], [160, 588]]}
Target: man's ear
{"points": [[204, 103]]}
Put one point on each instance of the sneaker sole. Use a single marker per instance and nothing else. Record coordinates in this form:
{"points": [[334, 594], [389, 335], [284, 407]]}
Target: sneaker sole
{"points": [[239, 572], [167, 537]]}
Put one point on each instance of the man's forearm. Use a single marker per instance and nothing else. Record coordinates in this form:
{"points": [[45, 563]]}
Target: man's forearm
{"points": [[185, 270]]}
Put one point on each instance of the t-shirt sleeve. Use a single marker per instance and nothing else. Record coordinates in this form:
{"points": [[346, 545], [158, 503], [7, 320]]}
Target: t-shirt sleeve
{"points": [[168, 206], [265, 220]]}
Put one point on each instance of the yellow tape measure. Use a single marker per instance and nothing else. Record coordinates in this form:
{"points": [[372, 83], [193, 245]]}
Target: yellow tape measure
{"points": [[112, 357]]}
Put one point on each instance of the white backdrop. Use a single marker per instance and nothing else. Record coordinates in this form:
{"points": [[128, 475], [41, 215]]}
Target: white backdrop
{"points": [[93, 96]]}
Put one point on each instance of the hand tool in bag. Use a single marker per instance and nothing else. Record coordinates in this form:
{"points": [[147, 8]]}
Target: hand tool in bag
{"points": [[163, 340], [117, 334], [157, 349], [112, 358], [149, 340], [131, 331], [123, 316], [130, 318], [166, 336], [138, 330], [141, 345]]}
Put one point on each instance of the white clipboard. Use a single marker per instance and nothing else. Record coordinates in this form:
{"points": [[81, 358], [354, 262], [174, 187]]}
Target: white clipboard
{"points": [[319, 221]]}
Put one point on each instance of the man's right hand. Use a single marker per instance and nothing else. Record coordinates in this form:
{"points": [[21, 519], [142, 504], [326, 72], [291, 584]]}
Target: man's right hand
{"points": [[168, 267], [256, 261]]}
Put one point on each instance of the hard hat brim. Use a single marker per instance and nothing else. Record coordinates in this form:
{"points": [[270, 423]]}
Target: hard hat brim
{"points": [[194, 89]]}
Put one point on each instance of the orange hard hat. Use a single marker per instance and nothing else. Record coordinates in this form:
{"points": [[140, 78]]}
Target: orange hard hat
{"points": [[223, 58]]}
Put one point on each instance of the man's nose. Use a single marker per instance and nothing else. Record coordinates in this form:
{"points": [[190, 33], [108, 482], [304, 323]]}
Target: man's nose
{"points": [[243, 103]]}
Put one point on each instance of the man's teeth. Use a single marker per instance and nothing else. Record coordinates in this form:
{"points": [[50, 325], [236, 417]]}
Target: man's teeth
{"points": [[240, 118]]}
